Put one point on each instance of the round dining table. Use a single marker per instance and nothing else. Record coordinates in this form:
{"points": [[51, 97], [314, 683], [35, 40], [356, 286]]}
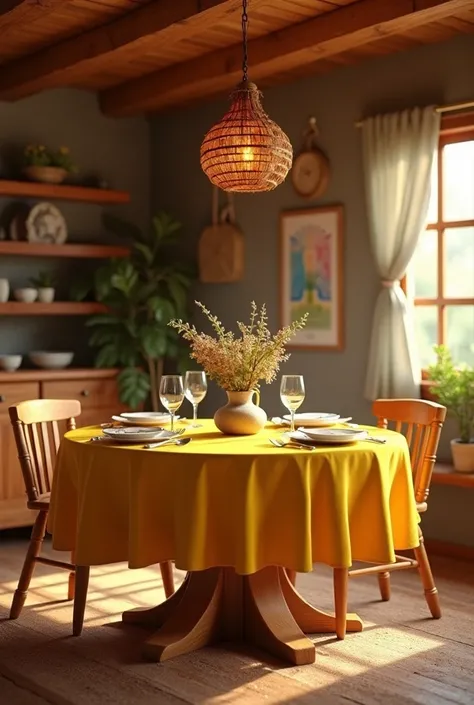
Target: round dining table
{"points": [[240, 516]]}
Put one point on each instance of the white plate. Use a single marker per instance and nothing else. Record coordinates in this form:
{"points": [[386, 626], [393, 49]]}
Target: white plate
{"points": [[316, 420], [137, 434], [145, 418], [336, 435]]}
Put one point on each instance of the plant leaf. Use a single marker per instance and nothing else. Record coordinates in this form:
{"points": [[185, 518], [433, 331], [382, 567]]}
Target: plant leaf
{"points": [[162, 309], [107, 356], [100, 319], [145, 250], [153, 340], [178, 293], [134, 386]]}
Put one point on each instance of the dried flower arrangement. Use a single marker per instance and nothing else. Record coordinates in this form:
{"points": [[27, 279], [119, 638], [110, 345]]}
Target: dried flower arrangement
{"points": [[239, 364]]}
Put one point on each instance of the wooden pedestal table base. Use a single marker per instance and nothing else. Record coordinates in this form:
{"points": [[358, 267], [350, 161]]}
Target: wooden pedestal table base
{"points": [[263, 609]]}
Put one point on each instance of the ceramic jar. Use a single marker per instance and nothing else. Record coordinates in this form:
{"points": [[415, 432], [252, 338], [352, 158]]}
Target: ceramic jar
{"points": [[240, 416], [4, 290]]}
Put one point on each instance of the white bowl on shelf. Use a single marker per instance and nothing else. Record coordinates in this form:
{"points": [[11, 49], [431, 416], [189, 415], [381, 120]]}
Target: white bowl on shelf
{"points": [[26, 296], [51, 360], [10, 363]]}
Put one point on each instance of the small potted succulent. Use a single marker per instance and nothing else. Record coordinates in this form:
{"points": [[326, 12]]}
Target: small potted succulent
{"points": [[453, 386], [47, 165], [45, 283]]}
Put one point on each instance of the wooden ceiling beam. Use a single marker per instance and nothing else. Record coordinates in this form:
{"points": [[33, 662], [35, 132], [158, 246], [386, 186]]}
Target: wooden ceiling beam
{"points": [[306, 42], [12, 12], [57, 64]]}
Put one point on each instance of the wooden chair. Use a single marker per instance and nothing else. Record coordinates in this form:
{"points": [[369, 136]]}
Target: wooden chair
{"points": [[37, 436], [421, 422]]}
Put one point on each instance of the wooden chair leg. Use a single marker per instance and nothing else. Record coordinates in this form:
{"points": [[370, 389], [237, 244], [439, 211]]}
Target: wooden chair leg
{"points": [[424, 569], [384, 585], [72, 579], [80, 596], [167, 577], [341, 579], [34, 550]]}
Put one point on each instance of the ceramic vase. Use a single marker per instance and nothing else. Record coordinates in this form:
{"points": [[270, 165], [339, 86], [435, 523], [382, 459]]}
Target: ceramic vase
{"points": [[240, 416], [4, 290]]}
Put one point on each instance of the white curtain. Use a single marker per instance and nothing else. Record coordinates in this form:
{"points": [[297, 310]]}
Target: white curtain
{"points": [[398, 152]]}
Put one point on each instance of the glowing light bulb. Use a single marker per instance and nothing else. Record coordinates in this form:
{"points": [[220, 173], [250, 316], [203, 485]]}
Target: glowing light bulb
{"points": [[247, 154]]}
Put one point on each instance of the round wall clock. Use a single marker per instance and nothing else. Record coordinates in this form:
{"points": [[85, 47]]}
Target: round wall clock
{"points": [[310, 171]]}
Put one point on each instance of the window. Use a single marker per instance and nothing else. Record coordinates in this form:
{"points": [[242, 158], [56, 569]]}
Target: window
{"points": [[443, 265]]}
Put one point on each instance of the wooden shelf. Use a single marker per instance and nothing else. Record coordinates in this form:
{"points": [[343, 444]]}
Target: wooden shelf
{"points": [[38, 375], [444, 474], [35, 249], [56, 308], [62, 192]]}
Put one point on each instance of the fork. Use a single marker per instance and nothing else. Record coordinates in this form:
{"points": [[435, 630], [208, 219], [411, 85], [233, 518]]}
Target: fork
{"points": [[168, 442], [282, 444]]}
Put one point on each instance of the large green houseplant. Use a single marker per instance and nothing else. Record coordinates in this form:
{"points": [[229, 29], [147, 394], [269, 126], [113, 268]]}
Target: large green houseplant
{"points": [[142, 293], [453, 387]]}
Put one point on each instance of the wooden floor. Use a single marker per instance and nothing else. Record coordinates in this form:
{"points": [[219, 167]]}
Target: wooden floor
{"points": [[402, 657]]}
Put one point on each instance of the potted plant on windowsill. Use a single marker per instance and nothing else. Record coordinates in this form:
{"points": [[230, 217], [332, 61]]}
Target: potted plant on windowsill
{"points": [[454, 388]]}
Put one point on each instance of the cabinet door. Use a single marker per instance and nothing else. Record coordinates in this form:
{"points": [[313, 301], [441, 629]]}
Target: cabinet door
{"points": [[99, 398], [13, 509]]}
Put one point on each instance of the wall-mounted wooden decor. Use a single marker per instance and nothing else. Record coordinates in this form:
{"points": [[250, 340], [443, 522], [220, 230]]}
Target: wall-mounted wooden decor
{"points": [[310, 171], [221, 246]]}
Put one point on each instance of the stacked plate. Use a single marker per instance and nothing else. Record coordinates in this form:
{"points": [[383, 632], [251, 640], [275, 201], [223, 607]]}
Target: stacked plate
{"points": [[330, 435], [137, 434], [316, 419], [144, 418]]}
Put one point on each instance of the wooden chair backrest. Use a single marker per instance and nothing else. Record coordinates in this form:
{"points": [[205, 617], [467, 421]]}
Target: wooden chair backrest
{"points": [[37, 437], [421, 422]]}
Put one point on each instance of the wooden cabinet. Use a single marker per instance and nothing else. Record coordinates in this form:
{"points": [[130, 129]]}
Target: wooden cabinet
{"points": [[98, 394], [13, 510]]}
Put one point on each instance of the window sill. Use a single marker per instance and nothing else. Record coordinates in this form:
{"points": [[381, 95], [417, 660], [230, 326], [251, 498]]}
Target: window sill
{"points": [[425, 390], [444, 474]]}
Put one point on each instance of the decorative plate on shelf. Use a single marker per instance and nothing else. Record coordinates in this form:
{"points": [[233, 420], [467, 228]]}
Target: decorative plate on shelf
{"points": [[45, 223]]}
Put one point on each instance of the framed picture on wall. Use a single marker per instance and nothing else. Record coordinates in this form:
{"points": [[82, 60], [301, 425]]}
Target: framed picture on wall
{"points": [[311, 275]]}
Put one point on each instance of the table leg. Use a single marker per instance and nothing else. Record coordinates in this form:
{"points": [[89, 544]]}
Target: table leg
{"points": [[212, 605]]}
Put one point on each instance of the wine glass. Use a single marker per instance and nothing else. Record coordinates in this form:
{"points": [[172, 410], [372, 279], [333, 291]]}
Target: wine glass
{"points": [[195, 389], [292, 394], [171, 394]]}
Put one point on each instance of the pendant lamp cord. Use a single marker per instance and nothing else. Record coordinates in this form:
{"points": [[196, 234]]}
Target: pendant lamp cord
{"points": [[245, 20]]}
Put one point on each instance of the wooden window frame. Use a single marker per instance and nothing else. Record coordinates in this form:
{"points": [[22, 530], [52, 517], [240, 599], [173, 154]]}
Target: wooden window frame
{"points": [[454, 128]]}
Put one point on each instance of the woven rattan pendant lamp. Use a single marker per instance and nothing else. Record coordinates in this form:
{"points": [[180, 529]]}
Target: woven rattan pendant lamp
{"points": [[245, 150]]}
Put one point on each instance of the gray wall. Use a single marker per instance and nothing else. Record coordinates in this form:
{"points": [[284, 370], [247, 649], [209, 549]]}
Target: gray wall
{"points": [[117, 151], [435, 74]]}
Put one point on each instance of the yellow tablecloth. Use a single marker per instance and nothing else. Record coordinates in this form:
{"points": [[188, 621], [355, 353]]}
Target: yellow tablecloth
{"points": [[232, 501]]}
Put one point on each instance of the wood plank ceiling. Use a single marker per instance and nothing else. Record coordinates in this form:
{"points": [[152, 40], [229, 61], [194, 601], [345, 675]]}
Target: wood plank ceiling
{"points": [[152, 55]]}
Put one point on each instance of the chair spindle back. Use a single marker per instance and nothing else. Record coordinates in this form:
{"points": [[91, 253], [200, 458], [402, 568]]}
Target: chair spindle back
{"points": [[37, 436], [421, 423]]}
